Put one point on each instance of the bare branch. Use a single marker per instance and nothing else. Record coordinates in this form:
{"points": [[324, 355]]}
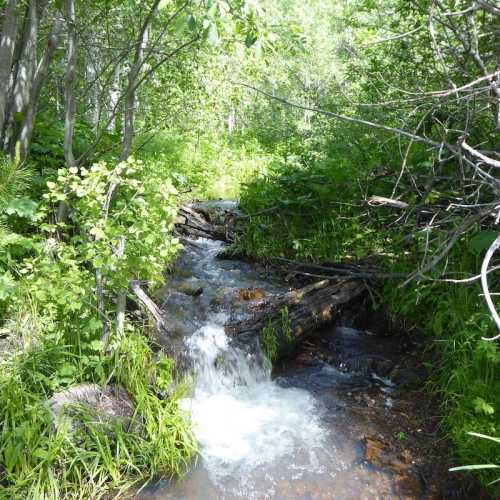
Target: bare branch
{"points": [[484, 283]]}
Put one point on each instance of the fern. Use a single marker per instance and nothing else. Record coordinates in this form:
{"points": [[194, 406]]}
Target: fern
{"points": [[14, 179]]}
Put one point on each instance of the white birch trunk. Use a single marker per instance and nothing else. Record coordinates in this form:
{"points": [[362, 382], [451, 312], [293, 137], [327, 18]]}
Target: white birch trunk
{"points": [[7, 43], [39, 79]]}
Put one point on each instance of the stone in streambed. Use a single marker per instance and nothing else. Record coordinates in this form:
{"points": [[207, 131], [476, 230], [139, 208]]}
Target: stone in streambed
{"points": [[378, 454], [106, 403]]}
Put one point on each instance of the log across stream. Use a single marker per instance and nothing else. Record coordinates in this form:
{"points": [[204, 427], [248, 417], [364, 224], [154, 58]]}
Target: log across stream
{"points": [[322, 426]]}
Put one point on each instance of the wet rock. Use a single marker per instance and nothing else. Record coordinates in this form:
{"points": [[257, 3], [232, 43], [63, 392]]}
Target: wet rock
{"points": [[380, 455], [408, 486], [250, 294], [191, 289], [408, 376], [108, 403]]}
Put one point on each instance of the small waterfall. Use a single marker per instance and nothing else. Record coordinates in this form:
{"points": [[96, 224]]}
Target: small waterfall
{"points": [[243, 419]]}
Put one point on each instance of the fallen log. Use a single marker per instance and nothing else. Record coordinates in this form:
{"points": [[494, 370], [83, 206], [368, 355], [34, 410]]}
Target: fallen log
{"points": [[195, 224], [136, 288], [286, 319]]}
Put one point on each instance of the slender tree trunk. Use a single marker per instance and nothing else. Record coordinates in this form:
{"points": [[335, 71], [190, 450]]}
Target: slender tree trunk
{"points": [[39, 79], [69, 121], [121, 299], [114, 97], [27, 62], [7, 43], [69, 96], [133, 82]]}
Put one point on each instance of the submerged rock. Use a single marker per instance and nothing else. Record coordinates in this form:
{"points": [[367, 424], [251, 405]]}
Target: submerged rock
{"points": [[250, 294], [379, 454], [106, 403]]}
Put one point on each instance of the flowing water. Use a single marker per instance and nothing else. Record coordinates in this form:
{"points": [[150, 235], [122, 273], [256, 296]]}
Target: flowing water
{"points": [[290, 437]]}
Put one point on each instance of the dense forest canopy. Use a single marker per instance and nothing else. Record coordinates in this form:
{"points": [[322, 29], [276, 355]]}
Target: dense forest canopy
{"points": [[355, 130]]}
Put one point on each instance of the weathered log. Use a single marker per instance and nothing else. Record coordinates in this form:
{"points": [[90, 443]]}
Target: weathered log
{"points": [[194, 223], [295, 314], [147, 302]]}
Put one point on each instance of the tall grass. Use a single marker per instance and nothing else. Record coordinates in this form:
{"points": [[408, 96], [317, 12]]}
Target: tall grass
{"points": [[96, 457]]}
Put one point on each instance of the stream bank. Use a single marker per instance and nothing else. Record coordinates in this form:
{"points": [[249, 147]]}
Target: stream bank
{"points": [[345, 416]]}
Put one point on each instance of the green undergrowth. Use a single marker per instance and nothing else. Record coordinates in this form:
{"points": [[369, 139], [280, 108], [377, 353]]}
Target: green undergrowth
{"points": [[88, 460], [276, 339], [207, 167], [301, 213], [52, 334]]}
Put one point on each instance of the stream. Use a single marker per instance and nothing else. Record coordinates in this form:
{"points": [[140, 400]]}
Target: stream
{"points": [[295, 434]]}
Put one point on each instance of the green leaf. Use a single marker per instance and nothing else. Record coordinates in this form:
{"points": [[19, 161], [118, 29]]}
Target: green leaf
{"points": [[41, 453], [481, 406], [474, 467], [484, 436], [96, 345], [481, 241], [66, 370], [22, 207], [7, 285], [250, 39], [191, 22]]}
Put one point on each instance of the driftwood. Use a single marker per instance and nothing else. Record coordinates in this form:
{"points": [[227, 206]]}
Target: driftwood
{"points": [[293, 315]]}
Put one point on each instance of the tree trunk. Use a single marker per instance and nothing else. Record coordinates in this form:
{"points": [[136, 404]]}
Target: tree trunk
{"points": [[114, 99], [24, 71], [7, 43], [70, 100], [121, 298], [39, 79], [133, 82]]}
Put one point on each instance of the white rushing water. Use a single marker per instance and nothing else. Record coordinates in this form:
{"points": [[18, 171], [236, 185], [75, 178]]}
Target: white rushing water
{"points": [[242, 419]]}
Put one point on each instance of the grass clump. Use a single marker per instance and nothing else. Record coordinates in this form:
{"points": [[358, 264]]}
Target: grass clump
{"points": [[41, 460], [269, 342], [275, 340]]}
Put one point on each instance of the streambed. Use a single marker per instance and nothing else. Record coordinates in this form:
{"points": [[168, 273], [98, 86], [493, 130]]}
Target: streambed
{"points": [[312, 430]]}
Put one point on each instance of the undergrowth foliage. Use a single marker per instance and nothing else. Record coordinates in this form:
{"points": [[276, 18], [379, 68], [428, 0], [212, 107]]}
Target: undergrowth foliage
{"points": [[52, 335], [40, 460], [77, 224]]}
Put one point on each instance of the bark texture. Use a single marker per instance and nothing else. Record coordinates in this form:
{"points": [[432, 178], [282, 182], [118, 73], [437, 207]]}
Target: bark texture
{"points": [[7, 44], [295, 314]]}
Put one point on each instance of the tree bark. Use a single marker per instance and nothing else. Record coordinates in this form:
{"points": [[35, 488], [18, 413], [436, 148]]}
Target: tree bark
{"points": [[147, 302], [70, 100], [121, 298], [306, 310], [23, 72], [7, 44], [133, 80], [39, 79]]}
